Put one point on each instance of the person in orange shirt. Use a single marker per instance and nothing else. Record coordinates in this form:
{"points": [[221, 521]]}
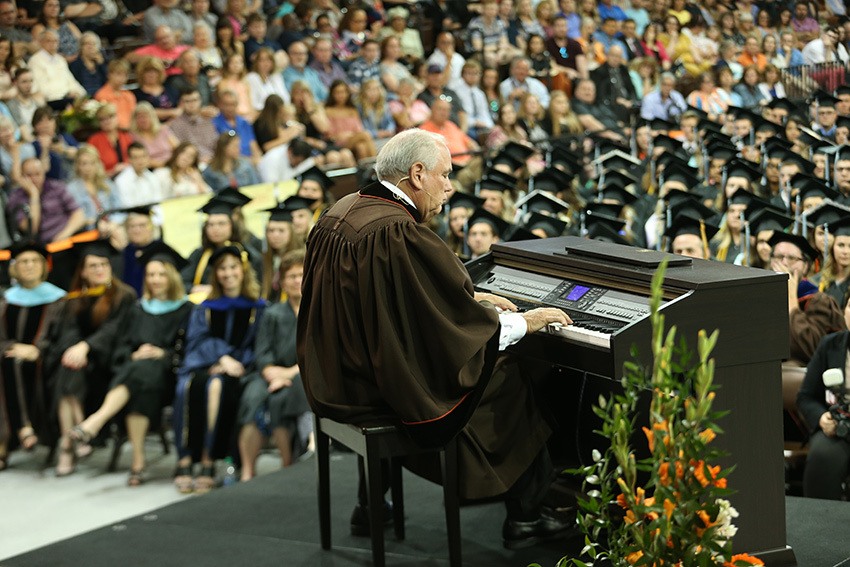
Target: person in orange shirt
{"points": [[114, 92], [752, 55], [460, 145]]}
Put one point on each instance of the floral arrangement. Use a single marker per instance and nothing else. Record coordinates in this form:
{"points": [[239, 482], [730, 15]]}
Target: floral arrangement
{"points": [[681, 517], [82, 115]]}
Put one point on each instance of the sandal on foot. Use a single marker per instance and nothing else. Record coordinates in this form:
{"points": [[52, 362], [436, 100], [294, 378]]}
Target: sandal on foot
{"points": [[206, 480], [136, 478], [69, 454], [82, 442], [29, 441], [182, 479]]}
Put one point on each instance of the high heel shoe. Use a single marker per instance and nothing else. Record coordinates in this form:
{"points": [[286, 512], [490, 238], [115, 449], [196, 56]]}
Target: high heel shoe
{"points": [[67, 469], [82, 442]]}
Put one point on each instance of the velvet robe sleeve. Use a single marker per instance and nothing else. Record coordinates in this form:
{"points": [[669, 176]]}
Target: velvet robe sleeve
{"points": [[203, 350], [393, 310], [809, 325]]}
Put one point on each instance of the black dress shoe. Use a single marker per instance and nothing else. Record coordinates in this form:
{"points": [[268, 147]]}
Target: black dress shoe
{"points": [[360, 519], [518, 535]]}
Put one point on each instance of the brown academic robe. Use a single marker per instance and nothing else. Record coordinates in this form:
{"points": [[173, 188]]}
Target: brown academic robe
{"points": [[817, 317], [389, 330]]}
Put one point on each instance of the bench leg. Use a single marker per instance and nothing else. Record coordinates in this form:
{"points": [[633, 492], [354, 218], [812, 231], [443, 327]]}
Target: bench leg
{"points": [[323, 462], [448, 461], [375, 495], [398, 498]]}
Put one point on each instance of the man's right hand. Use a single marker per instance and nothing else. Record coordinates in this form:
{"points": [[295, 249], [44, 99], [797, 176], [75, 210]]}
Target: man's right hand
{"points": [[538, 318], [827, 424]]}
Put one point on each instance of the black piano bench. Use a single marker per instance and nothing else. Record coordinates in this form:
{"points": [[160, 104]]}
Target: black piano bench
{"points": [[375, 443]]}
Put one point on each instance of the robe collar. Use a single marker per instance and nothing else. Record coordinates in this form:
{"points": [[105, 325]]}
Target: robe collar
{"points": [[160, 306], [388, 192], [41, 294]]}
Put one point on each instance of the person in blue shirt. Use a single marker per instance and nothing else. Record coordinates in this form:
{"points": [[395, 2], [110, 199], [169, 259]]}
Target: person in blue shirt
{"points": [[299, 71], [608, 10], [229, 121]]}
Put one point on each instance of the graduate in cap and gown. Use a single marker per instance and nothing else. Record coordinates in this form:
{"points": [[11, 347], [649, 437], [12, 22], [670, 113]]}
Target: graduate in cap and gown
{"points": [[485, 229], [219, 230], [273, 402], [27, 311], [146, 356], [728, 243], [302, 215], [281, 239], [83, 343], [762, 226], [834, 278], [496, 188], [315, 186], [811, 315], [460, 208], [141, 233], [219, 352], [690, 231]]}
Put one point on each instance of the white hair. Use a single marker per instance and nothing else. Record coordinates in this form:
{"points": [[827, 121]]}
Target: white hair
{"points": [[405, 149]]}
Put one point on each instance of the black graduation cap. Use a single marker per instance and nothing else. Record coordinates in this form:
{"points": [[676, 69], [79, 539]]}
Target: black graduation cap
{"points": [[841, 227], [279, 213], [661, 125], [677, 174], [783, 103], [757, 204], [605, 209], [620, 177], [552, 226], [814, 188], [668, 158], [605, 145], [100, 248], [569, 161], [689, 225], [799, 241], [823, 98], [802, 163], [27, 245], [144, 210], [465, 200], [710, 126], [841, 90], [616, 192], [500, 226], [843, 122], [615, 161], [742, 168], [513, 155], [229, 248], [771, 127], [826, 214], [296, 203], [843, 153], [541, 201], [218, 206], [722, 151], [769, 219], [665, 141], [317, 175], [776, 144], [520, 233], [234, 196], [675, 198], [692, 208], [162, 252], [498, 180], [741, 197], [553, 180], [739, 113], [605, 227]]}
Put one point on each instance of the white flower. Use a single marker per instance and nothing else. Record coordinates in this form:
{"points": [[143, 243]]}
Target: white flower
{"points": [[726, 530]]}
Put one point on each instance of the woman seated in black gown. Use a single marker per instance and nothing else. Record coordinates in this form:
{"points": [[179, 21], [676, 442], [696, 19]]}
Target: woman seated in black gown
{"points": [[274, 400], [27, 310], [79, 361], [146, 356], [219, 352]]}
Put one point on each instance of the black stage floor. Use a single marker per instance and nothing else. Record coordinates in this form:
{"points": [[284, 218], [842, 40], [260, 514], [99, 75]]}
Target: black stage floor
{"points": [[273, 521]]}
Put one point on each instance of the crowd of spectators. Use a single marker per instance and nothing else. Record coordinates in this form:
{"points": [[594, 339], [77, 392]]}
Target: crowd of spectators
{"points": [[607, 112]]}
